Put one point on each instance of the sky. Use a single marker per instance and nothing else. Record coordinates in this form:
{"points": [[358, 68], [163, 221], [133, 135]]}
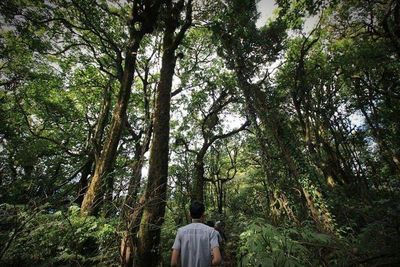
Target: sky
{"points": [[265, 7]]}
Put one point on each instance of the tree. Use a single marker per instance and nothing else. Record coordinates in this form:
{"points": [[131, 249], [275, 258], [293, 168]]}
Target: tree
{"points": [[156, 189], [246, 48], [141, 136], [141, 22]]}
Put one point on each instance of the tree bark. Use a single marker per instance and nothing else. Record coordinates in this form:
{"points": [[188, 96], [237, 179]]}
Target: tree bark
{"points": [[198, 188], [129, 239]]}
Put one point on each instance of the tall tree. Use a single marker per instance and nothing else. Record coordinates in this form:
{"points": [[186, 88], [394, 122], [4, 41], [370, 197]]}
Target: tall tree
{"points": [[132, 208], [156, 190], [142, 20], [246, 50]]}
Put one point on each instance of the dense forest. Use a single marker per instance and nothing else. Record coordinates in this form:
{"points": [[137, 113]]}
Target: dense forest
{"points": [[115, 114]]}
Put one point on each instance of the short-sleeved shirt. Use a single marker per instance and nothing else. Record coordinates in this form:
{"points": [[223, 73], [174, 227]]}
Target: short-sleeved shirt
{"points": [[195, 242]]}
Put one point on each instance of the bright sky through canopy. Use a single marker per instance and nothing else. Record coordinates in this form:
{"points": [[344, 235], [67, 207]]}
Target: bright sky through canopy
{"points": [[265, 7]]}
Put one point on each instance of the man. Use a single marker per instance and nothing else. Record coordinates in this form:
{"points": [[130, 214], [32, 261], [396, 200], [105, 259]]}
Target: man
{"points": [[196, 244], [220, 228]]}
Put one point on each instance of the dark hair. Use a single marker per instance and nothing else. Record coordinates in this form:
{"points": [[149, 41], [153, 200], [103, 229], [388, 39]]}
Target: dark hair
{"points": [[210, 223], [196, 209]]}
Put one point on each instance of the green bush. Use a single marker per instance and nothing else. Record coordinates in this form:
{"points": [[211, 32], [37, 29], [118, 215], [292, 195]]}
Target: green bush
{"points": [[48, 238], [263, 244]]}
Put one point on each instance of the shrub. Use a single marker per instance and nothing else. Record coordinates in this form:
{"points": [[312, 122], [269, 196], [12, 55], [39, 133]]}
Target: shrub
{"points": [[53, 238]]}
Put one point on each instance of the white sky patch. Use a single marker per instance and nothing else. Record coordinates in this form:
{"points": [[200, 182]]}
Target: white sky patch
{"points": [[145, 170], [232, 121], [265, 7], [357, 119]]}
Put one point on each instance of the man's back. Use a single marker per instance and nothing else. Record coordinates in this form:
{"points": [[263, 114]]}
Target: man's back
{"points": [[195, 242]]}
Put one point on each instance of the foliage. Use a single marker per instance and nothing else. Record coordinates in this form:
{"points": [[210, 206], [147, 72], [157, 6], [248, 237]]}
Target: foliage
{"points": [[313, 181], [263, 244], [45, 237], [168, 233]]}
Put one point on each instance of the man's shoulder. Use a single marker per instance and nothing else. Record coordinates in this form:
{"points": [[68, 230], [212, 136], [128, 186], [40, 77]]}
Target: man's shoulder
{"points": [[201, 226]]}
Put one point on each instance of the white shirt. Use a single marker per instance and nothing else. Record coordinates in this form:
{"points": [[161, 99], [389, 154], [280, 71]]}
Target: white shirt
{"points": [[195, 242]]}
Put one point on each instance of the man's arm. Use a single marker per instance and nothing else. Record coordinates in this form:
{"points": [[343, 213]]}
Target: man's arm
{"points": [[176, 248], [216, 259], [175, 258]]}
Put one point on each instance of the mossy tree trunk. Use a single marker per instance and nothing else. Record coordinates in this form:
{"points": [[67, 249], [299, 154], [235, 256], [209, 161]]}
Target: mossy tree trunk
{"points": [[93, 145]]}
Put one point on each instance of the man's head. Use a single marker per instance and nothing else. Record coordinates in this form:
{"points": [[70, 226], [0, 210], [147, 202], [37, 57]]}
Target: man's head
{"points": [[219, 225], [196, 209]]}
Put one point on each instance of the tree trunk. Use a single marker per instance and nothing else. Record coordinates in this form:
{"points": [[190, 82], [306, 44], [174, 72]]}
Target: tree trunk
{"points": [[94, 143], [220, 196], [153, 214], [199, 179], [131, 213], [107, 156], [257, 102], [198, 188], [129, 239], [83, 181], [156, 190]]}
